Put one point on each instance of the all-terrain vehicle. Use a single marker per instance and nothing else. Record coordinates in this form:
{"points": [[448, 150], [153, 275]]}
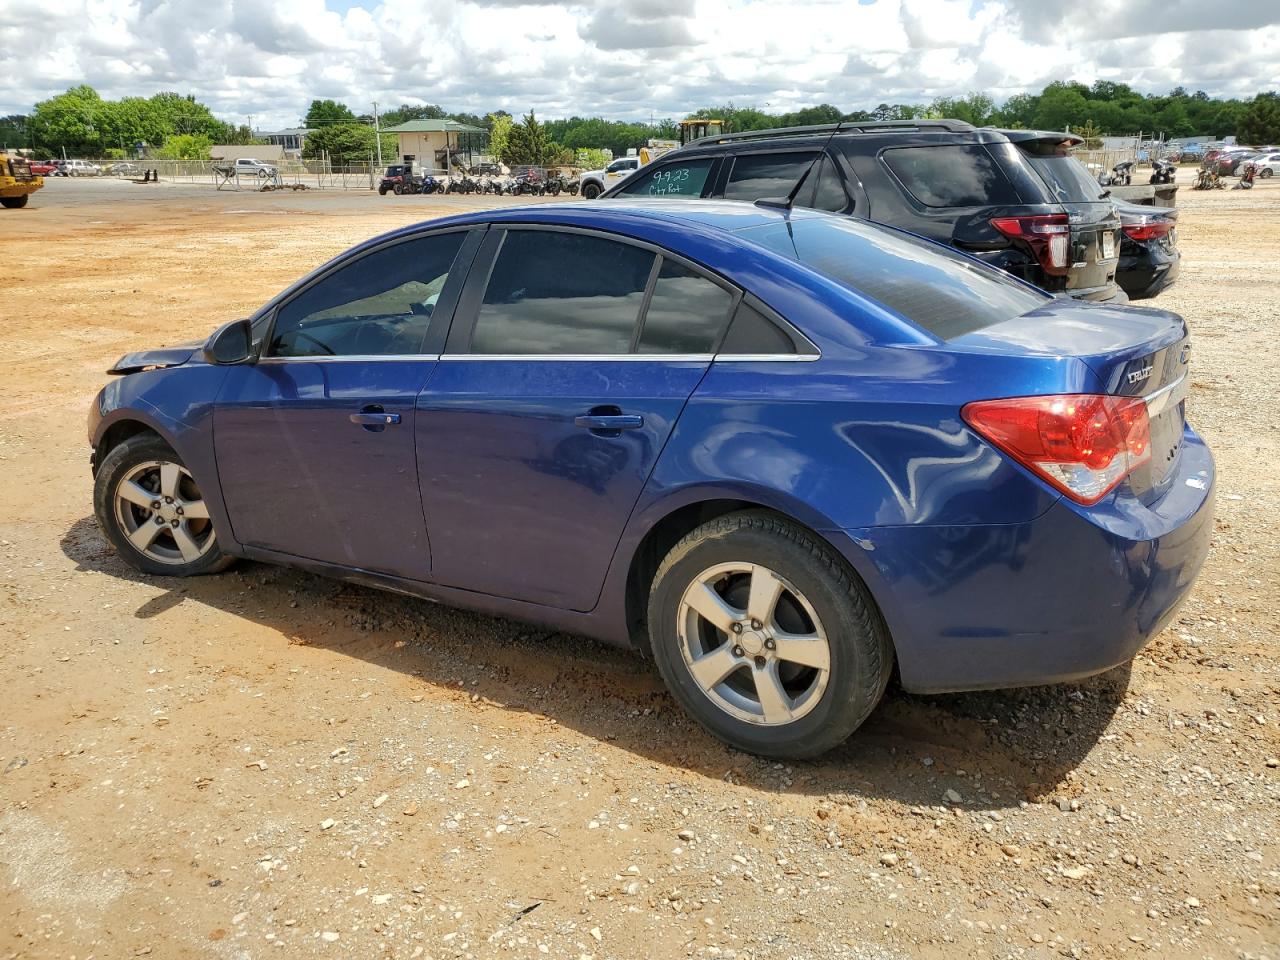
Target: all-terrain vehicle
{"points": [[17, 182]]}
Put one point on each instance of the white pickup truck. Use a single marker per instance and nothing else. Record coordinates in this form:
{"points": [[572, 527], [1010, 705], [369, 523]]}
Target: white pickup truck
{"points": [[596, 182]]}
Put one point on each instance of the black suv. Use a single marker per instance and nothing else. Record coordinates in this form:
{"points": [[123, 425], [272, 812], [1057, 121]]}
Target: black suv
{"points": [[1013, 198]]}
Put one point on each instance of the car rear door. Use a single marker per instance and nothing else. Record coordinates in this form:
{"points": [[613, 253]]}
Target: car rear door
{"points": [[571, 358], [315, 441]]}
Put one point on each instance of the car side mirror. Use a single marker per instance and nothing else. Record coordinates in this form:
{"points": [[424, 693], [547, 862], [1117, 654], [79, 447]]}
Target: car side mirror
{"points": [[231, 343]]}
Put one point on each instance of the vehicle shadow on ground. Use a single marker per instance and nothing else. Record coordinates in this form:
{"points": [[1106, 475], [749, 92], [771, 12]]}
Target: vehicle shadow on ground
{"points": [[993, 749]]}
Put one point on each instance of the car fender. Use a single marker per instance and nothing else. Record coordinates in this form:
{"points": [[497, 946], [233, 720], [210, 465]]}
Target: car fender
{"points": [[160, 400]]}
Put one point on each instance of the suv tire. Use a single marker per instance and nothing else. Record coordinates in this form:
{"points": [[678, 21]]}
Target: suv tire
{"points": [[591, 190]]}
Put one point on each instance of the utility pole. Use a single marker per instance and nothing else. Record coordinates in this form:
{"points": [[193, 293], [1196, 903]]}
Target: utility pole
{"points": [[377, 133]]}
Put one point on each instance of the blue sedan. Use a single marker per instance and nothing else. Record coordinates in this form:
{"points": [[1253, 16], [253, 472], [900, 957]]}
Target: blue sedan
{"points": [[781, 450]]}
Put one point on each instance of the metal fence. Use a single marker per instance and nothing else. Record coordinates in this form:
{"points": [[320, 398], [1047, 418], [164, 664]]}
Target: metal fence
{"points": [[313, 174]]}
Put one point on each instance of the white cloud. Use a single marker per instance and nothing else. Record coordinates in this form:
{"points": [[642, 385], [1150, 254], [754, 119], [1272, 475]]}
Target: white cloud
{"points": [[622, 58]]}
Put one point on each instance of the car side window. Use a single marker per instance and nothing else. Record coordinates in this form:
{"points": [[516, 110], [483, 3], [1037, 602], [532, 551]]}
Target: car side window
{"points": [[687, 179], [687, 313], [752, 333], [757, 175], [828, 192], [951, 176], [552, 292], [377, 305]]}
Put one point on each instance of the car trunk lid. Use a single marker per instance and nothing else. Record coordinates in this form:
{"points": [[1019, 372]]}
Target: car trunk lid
{"points": [[1134, 352]]}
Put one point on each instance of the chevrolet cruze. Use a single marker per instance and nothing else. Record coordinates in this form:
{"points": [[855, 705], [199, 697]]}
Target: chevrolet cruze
{"points": [[781, 450]]}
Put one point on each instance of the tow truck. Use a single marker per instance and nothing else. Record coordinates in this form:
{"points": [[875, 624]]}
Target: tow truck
{"points": [[17, 182]]}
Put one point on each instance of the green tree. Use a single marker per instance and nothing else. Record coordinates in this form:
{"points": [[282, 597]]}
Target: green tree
{"points": [[185, 146], [346, 143], [404, 113], [499, 133], [589, 159], [528, 143], [68, 122], [322, 113], [1260, 120], [976, 108], [14, 131]]}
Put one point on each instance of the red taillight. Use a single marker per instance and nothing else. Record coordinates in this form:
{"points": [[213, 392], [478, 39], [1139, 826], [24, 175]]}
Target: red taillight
{"points": [[1083, 444], [1148, 231], [1048, 235]]}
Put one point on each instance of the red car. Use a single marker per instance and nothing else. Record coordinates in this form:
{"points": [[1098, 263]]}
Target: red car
{"points": [[44, 168]]}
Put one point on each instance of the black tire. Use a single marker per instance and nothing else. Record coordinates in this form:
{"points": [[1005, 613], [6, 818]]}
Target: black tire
{"points": [[591, 190], [1265, 173], [398, 189], [118, 464], [382, 191], [15, 203], [861, 653]]}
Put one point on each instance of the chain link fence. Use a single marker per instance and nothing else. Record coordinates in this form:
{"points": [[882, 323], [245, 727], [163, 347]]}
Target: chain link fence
{"points": [[312, 174]]}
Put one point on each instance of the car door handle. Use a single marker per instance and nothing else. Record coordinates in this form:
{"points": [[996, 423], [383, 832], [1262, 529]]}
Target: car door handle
{"points": [[375, 418], [609, 421]]}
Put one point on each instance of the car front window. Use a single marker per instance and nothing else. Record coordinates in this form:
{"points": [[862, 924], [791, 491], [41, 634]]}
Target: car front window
{"points": [[377, 305]]}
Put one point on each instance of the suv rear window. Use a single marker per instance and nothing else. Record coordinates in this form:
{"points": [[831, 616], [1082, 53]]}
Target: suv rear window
{"points": [[687, 179], [757, 175], [951, 176], [934, 287], [1066, 177]]}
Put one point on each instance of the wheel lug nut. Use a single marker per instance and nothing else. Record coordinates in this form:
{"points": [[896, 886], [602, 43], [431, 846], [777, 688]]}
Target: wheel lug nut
{"points": [[760, 661], [738, 651], [737, 628], [174, 524], [159, 521], [168, 499], [756, 624], [156, 505], [178, 511], [770, 645]]}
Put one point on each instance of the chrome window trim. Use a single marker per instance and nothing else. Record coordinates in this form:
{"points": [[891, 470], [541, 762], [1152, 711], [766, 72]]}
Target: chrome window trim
{"points": [[354, 358], [1168, 395], [585, 357], [638, 357]]}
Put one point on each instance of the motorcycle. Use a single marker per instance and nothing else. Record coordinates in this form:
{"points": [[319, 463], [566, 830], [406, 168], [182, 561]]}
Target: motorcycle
{"points": [[1122, 173], [429, 184], [1162, 171]]}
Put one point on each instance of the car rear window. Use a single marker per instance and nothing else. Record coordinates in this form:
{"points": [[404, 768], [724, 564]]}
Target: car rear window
{"points": [[935, 288], [1068, 180], [951, 175]]}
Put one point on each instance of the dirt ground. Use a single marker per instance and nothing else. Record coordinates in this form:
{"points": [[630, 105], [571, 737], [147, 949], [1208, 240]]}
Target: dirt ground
{"points": [[267, 763]]}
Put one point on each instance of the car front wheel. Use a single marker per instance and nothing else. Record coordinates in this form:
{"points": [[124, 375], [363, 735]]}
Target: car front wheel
{"points": [[150, 508], [767, 637], [591, 191]]}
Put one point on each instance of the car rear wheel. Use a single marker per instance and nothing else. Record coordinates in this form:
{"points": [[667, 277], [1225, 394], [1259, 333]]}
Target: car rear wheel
{"points": [[591, 191], [14, 203], [767, 637], [150, 508], [1265, 173]]}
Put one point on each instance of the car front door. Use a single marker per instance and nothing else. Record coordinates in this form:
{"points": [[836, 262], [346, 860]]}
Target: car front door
{"points": [[569, 362], [315, 441]]}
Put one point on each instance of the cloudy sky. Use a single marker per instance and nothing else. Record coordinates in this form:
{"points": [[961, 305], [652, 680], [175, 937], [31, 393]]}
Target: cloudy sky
{"points": [[622, 58]]}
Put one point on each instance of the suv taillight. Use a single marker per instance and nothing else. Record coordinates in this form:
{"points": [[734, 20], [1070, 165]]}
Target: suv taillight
{"points": [[1083, 444], [1048, 235]]}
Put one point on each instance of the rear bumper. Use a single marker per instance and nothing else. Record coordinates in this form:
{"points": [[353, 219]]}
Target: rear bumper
{"points": [[1075, 592], [1150, 272]]}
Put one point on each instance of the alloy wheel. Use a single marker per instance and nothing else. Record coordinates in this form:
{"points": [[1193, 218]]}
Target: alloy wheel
{"points": [[753, 643], [162, 513]]}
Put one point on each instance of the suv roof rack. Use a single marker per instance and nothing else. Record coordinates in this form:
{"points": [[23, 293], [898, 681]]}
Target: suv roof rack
{"points": [[845, 126]]}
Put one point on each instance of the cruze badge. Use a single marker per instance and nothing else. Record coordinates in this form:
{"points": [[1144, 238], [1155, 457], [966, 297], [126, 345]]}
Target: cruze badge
{"points": [[1137, 376]]}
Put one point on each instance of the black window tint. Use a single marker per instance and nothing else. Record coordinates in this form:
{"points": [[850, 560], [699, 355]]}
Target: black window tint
{"points": [[1066, 178], [932, 286], [687, 313], [757, 175], [687, 179], [828, 192], [951, 176], [377, 305], [562, 293], [751, 332]]}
